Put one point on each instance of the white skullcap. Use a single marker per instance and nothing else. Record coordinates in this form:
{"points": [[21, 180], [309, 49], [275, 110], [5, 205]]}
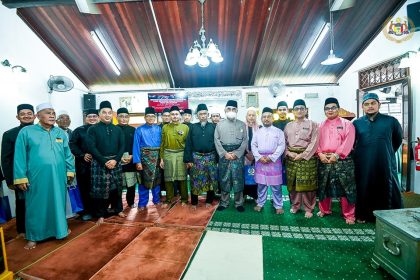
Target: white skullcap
{"points": [[43, 106], [62, 112]]}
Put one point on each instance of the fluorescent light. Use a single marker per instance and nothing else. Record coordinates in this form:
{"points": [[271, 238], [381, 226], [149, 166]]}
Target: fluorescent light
{"points": [[87, 7], [105, 52], [315, 45]]}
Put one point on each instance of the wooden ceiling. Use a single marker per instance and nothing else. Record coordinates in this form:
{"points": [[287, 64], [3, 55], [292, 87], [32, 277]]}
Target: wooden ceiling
{"points": [[262, 41]]}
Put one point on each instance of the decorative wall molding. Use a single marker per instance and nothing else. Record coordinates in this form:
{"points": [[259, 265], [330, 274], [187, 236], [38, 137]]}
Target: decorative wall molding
{"points": [[383, 73]]}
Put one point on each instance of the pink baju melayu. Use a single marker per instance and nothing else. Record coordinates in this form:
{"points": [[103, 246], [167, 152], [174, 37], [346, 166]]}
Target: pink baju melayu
{"points": [[337, 136], [268, 141]]}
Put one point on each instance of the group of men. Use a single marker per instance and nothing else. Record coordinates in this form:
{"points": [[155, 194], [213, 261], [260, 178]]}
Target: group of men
{"points": [[354, 162]]}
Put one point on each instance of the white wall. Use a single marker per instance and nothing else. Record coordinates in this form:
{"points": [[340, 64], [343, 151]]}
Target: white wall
{"points": [[380, 50], [22, 47], [140, 102]]}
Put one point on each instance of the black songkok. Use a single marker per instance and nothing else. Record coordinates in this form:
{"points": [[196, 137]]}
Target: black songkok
{"points": [[174, 108], [25, 106], [299, 102], [122, 111], [149, 111], [281, 104], [330, 100], [201, 107], [105, 104], [232, 103], [267, 110]]}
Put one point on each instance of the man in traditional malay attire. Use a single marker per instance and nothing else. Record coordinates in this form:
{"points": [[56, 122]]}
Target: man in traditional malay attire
{"points": [[64, 121], [79, 147], [301, 165], [106, 145], [267, 146], [26, 116], [166, 117], [282, 110], [215, 118], [200, 157], [172, 148], [230, 138], [187, 117], [129, 174], [336, 167], [43, 166], [147, 139], [378, 137]]}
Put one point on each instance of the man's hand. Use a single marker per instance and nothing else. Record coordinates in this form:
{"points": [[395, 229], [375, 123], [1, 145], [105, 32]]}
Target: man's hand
{"points": [[87, 157], [110, 164], [139, 166], [189, 165], [298, 157], [333, 158], [69, 180], [233, 156], [23, 187], [228, 156], [323, 158], [249, 156], [162, 164]]}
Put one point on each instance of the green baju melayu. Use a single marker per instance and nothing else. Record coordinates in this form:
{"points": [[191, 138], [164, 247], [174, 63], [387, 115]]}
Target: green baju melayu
{"points": [[43, 160]]}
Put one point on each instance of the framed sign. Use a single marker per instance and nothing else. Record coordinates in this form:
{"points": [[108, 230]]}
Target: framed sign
{"points": [[160, 101], [252, 99]]}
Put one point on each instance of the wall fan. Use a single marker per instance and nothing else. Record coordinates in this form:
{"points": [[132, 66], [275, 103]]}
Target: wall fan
{"points": [[276, 88], [59, 83]]}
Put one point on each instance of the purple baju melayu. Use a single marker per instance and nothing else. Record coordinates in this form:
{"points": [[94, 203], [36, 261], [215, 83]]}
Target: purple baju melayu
{"points": [[268, 141]]}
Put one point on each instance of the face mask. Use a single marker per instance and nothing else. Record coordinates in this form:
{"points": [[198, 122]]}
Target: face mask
{"points": [[231, 115]]}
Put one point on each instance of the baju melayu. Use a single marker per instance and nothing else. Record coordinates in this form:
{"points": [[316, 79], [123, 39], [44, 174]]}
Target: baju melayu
{"points": [[7, 157], [302, 138], [269, 141], [106, 143], [337, 179], [200, 150], [43, 160], [231, 136], [79, 147], [172, 148], [281, 124], [129, 174], [147, 140], [377, 183]]}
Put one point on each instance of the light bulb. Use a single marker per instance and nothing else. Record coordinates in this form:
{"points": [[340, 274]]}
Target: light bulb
{"points": [[203, 61]]}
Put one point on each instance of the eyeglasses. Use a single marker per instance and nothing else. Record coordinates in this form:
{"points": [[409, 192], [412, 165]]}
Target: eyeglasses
{"points": [[299, 109], [333, 108]]}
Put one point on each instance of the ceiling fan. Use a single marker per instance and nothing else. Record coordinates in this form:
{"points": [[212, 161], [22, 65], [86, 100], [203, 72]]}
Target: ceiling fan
{"points": [[87, 7]]}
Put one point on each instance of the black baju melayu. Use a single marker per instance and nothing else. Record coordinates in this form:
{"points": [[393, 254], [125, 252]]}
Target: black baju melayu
{"points": [[7, 157], [200, 150], [106, 143], [79, 147], [128, 132], [377, 183]]}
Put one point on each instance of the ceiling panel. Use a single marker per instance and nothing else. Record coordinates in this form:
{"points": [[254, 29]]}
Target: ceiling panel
{"points": [[262, 41]]}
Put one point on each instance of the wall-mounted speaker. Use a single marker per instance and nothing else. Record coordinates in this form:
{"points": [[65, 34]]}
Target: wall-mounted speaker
{"points": [[89, 101]]}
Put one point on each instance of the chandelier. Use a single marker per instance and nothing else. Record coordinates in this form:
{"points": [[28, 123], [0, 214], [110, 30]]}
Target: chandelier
{"points": [[200, 54]]}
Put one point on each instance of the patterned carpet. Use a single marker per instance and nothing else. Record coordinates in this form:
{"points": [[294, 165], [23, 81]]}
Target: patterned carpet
{"points": [[298, 248]]}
